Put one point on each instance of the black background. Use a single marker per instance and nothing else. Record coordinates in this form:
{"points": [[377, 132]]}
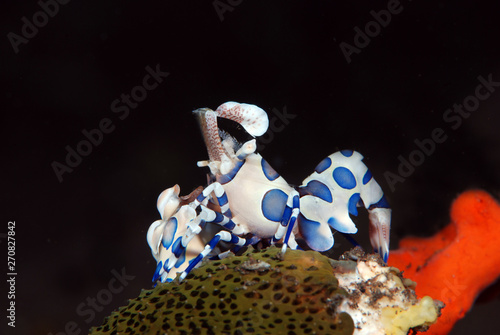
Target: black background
{"points": [[279, 55]]}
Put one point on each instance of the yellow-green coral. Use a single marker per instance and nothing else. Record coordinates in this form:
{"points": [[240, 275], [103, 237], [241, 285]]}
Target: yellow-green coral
{"points": [[260, 292], [398, 321]]}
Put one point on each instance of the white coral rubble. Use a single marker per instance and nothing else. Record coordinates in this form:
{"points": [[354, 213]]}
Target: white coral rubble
{"points": [[380, 301]]}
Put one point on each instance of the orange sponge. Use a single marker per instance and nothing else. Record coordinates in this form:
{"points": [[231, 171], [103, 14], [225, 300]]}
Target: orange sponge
{"points": [[457, 263]]}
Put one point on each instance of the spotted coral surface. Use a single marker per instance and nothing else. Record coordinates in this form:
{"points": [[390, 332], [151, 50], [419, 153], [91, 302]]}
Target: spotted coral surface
{"points": [[260, 292]]}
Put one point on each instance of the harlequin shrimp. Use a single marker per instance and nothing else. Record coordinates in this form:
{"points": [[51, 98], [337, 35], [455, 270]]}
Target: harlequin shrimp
{"points": [[251, 202]]}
